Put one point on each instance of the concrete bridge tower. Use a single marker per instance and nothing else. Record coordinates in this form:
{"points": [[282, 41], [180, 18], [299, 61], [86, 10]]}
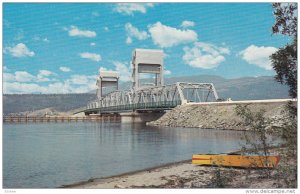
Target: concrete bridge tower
{"points": [[107, 79], [147, 61]]}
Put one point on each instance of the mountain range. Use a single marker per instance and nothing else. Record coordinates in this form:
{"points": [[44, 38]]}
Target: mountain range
{"points": [[245, 88]]}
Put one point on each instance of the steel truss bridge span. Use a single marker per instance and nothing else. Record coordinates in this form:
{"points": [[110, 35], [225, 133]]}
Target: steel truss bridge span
{"points": [[157, 98]]}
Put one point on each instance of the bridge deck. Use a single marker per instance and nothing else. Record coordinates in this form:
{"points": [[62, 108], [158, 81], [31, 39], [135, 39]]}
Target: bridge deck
{"points": [[151, 106]]}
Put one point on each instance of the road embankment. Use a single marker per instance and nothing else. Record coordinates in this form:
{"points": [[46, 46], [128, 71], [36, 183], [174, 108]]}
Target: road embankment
{"points": [[221, 115]]}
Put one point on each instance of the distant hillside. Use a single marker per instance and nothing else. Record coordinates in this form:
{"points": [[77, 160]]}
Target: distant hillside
{"points": [[13, 103], [250, 88], [246, 88], [171, 80]]}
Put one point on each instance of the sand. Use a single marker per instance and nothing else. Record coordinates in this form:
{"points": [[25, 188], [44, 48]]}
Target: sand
{"points": [[186, 175]]}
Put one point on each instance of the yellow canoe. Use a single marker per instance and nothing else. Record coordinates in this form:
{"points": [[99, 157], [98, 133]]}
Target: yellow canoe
{"points": [[237, 161]]}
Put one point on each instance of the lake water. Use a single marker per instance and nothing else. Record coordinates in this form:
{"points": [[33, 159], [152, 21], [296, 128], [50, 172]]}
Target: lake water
{"points": [[48, 155]]}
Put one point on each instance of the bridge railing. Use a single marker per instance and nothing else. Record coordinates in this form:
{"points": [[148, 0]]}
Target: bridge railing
{"points": [[139, 106]]}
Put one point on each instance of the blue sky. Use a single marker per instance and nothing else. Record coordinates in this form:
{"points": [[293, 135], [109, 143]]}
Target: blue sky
{"points": [[59, 48]]}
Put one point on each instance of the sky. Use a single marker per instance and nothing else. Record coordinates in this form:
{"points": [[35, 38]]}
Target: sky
{"points": [[60, 47]]}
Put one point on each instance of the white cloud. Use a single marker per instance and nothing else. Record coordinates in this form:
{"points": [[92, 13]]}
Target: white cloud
{"points": [[128, 40], [130, 8], [165, 36], [122, 68], [133, 32], [74, 31], [58, 87], [43, 76], [23, 76], [204, 55], [167, 72], [80, 83], [186, 24], [124, 71], [258, 56], [103, 69], [80, 79], [45, 73], [20, 50], [17, 87], [75, 84], [91, 56], [93, 44], [24, 82], [65, 69], [8, 77]]}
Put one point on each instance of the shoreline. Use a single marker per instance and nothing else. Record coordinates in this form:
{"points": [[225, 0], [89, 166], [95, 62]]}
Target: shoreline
{"points": [[184, 174], [129, 173]]}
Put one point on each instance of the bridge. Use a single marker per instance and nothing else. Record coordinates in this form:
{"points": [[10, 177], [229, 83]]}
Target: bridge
{"points": [[147, 97]]}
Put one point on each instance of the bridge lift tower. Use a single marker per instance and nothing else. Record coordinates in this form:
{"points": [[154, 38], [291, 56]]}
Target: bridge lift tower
{"points": [[141, 98], [107, 79], [148, 61]]}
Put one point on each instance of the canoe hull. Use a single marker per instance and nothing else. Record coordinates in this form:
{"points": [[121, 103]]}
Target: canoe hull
{"points": [[237, 161]]}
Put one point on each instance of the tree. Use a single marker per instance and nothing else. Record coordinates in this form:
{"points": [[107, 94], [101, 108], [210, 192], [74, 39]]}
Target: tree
{"points": [[285, 59]]}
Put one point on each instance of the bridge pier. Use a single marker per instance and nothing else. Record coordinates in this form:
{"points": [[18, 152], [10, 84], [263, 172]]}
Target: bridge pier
{"points": [[136, 117]]}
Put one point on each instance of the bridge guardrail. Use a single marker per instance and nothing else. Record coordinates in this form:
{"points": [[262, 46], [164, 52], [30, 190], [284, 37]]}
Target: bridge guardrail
{"points": [[137, 106]]}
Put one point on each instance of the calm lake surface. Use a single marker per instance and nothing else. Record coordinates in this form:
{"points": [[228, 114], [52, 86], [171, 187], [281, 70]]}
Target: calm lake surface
{"points": [[48, 155]]}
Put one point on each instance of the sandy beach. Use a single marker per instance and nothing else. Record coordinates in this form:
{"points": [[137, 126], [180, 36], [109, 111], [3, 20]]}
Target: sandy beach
{"points": [[184, 174]]}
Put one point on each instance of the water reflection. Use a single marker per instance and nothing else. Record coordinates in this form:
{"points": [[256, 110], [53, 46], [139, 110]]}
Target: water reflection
{"points": [[52, 154]]}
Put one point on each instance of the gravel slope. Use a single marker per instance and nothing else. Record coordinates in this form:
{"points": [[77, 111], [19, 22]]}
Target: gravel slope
{"points": [[217, 116]]}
